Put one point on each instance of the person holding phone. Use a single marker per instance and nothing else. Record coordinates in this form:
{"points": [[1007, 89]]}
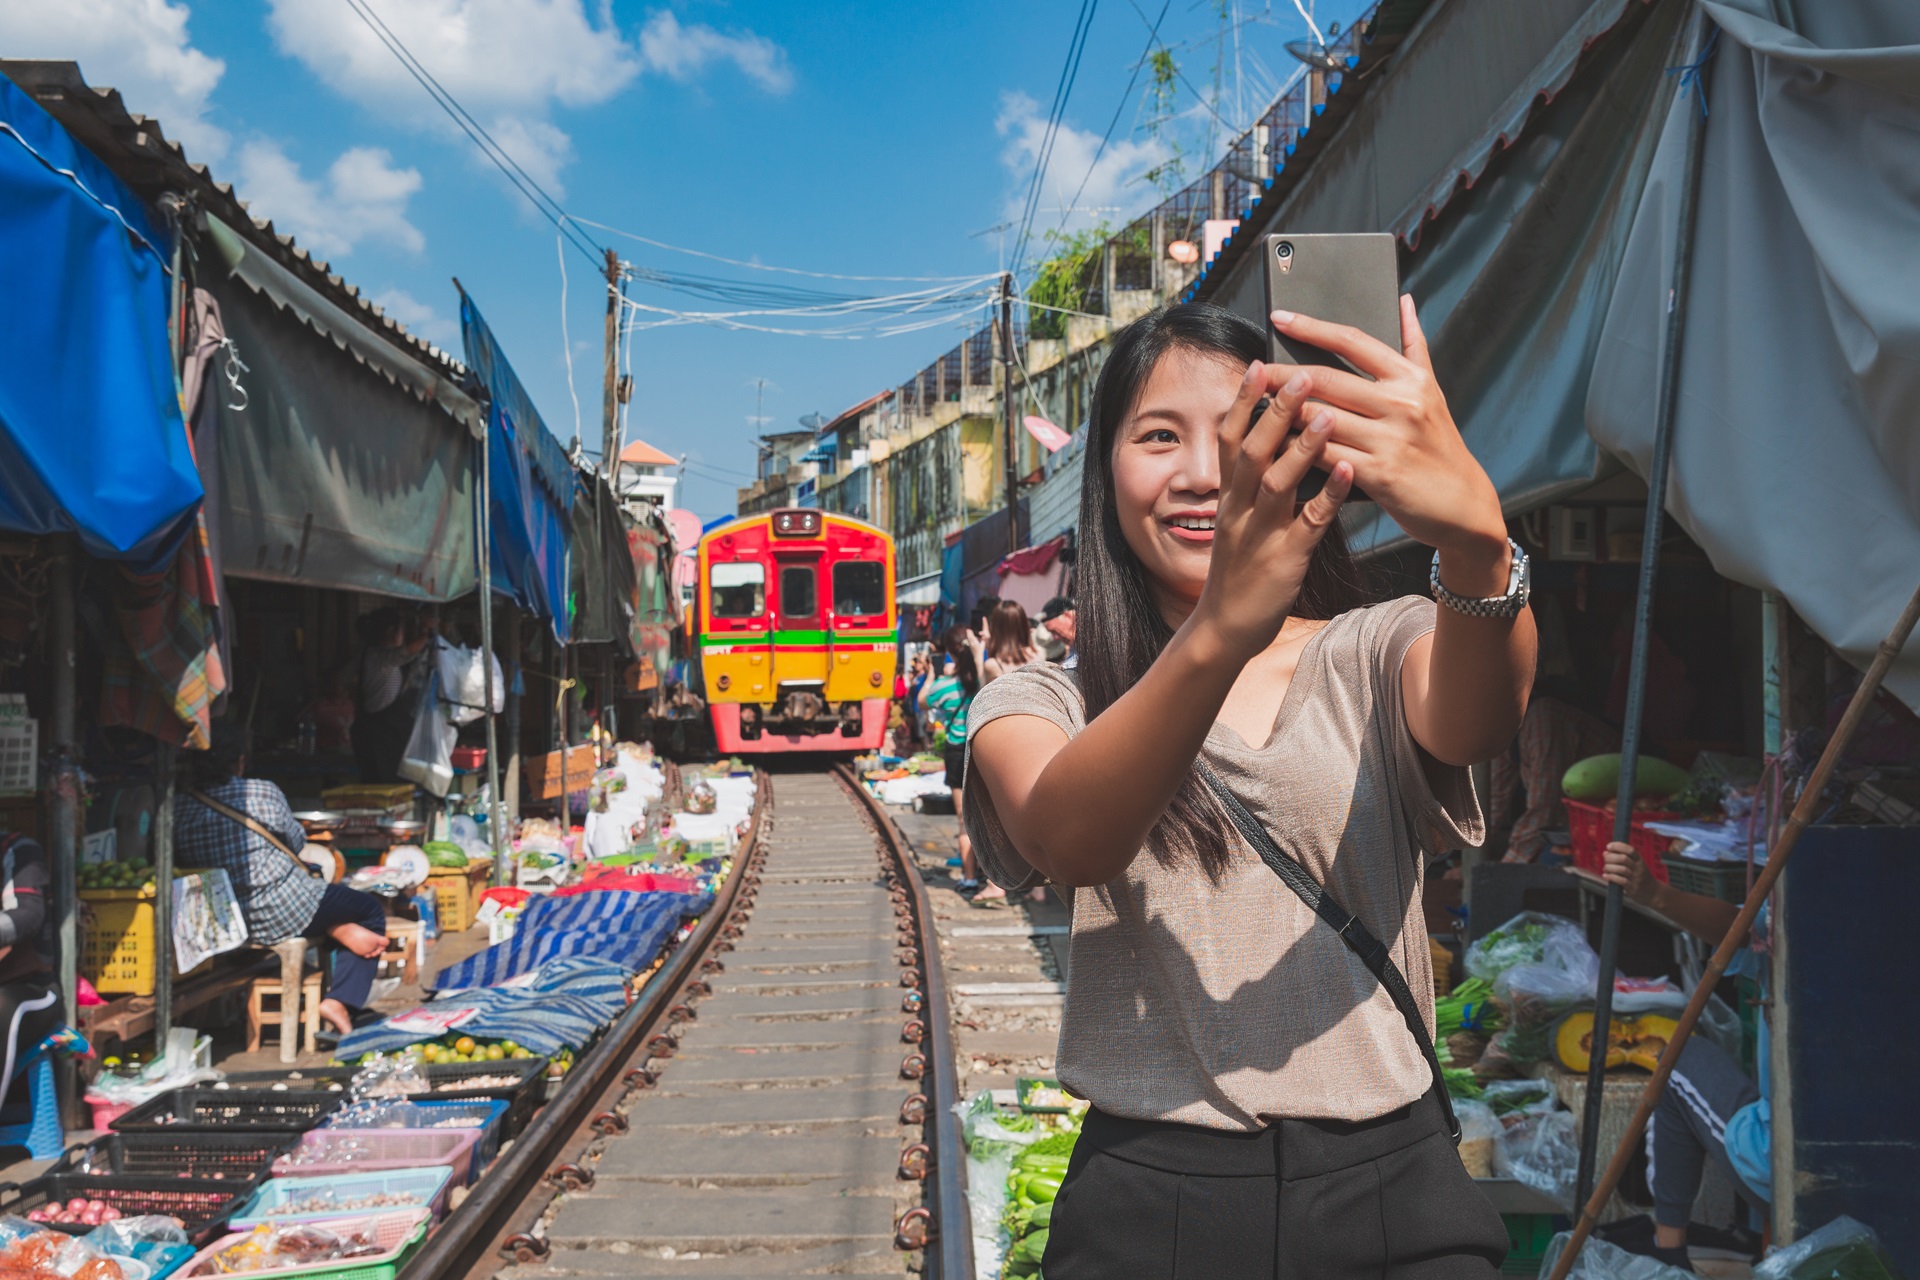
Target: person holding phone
{"points": [[1262, 1103]]}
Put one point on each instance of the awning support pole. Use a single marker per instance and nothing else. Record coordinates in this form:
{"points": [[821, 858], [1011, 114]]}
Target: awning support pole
{"points": [[164, 758], [1812, 800], [63, 818], [483, 551], [1631, 729]]}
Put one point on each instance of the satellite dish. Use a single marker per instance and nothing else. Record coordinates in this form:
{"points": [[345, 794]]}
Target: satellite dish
{"points": [[1317, 55], [813, 421], [1185, 251]]}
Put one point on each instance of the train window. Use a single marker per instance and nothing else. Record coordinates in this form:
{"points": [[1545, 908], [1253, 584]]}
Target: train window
{"points": [[859, 588], [739, 589], [799, 595]]}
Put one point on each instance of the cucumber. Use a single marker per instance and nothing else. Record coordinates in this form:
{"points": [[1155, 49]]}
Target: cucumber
{"points": [[1597, 778]]}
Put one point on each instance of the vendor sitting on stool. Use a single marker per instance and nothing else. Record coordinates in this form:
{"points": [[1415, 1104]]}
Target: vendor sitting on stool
{"points": [[279, 895]]}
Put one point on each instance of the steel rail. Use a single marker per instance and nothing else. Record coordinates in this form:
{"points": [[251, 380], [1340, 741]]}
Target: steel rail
{"points": [[507, 1204], [947, 1225]]}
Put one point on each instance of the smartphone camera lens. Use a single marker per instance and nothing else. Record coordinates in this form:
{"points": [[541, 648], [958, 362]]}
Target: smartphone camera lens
{"points": [[1284, 250]]}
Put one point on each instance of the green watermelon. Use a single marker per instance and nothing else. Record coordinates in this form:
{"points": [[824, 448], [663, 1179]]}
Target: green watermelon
{"points": [[1597, 778]]}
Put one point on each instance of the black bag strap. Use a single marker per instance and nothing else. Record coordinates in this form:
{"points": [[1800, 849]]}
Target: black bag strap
{"points": [[1372, 952]]}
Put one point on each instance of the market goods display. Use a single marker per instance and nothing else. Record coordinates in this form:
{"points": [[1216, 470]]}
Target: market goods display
{"points": [[137, 874], [271, 1248], [77, 1211], [1598, 778]]}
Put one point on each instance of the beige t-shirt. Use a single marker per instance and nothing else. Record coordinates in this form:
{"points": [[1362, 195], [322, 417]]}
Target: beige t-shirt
{"points": [[1231, 1004]]}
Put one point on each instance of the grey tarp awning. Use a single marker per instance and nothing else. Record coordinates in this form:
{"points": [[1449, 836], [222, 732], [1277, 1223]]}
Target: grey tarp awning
{"points": [[1517, 182], [1796, 459], [605, 586], [348, 463]]}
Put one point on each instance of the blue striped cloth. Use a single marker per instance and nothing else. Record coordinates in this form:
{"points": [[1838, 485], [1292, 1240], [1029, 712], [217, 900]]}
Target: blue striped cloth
{"points": [[560, 1005], [621, 926]]}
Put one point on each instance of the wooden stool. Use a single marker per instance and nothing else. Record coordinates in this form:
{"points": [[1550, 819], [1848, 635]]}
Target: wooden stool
{"points": [[403, 944], [305, 1008]]}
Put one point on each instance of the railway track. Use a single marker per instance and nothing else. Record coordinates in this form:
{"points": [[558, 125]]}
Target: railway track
{"points": [[779, 1100]]}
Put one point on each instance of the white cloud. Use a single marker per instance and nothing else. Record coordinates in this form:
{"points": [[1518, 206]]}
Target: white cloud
{"points": [[139, 47], [362, 198], [420, 319], [509, 62], [1112, 192], [680, 53]]}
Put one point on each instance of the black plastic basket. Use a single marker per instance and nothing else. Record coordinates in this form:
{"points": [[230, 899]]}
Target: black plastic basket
{"points": [[521, 1097], [304, 1080], [199, 1110], [211, 1157], [203, 1207]]}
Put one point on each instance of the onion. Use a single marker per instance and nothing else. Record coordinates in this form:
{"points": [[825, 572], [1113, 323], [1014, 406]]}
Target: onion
{"points": [[40, 1215], [109, 1214], [77, 1205]]}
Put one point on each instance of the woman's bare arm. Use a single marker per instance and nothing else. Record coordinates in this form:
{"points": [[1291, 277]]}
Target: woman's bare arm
{"points": [[1079, 810]]}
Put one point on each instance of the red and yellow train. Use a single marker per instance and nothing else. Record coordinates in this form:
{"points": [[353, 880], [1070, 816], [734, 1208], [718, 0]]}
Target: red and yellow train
{"points": [[794, 626]]}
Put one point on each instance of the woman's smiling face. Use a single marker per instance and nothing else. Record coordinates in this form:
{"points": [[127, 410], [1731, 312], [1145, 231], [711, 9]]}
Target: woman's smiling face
{"points": [[1166, 470]]}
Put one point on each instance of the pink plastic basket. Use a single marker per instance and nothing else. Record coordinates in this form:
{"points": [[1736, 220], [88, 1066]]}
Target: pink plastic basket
{"points": [[330, 1151]]}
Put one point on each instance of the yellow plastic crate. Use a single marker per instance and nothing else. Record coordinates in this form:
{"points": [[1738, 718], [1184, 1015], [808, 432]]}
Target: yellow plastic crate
{"points": [[119, 953], [453, 899]]}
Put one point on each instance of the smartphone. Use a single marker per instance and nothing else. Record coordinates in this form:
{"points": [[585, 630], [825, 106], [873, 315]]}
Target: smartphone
{"points": [[1348, 279]]}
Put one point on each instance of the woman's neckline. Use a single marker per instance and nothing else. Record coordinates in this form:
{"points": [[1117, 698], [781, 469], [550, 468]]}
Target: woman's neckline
{"points": [[1287, 699]]}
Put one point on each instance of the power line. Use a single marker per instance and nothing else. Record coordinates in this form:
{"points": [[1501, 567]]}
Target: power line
{"points": [[1198, 96], [761, 266], [1069, 72], [1126, 97], [536, 194]]}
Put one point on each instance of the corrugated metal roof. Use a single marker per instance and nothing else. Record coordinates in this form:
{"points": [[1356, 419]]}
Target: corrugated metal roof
{"points": [[137, 149]]}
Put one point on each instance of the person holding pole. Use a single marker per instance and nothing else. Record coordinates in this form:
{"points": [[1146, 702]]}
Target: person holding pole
{"points": [[1240, 781], [1712, 1110]]}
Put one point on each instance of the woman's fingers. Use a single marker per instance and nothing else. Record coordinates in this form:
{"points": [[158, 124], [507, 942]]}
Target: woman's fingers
{"points": [[1413, 342], [1240, 420], [1282, 479], [1321, 509], [1245, 459], [1368, 353], [1269, 435], [1352, 392]]}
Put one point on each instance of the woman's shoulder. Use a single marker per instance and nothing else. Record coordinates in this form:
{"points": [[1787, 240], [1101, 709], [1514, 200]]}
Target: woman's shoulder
{"points": [[1381, 630], [1040, 689]]}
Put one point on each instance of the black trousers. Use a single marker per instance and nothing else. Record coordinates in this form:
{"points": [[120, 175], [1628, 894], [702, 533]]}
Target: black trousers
{"points": [[1300, 1200], [352, 980]]}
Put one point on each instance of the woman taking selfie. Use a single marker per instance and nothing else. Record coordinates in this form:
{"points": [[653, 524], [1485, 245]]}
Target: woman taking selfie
{"points": [[1264, 1101]]}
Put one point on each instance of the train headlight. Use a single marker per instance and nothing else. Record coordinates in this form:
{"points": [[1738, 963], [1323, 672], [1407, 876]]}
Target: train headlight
{"points": [[723, 683]]}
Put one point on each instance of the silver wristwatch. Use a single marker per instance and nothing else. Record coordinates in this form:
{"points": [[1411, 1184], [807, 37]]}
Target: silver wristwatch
{"points": [[1519, 587]]}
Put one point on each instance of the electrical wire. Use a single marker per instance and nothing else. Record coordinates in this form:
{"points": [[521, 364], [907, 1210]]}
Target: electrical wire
{"points": [[548, 207], [1198, 96], [761, 266], [1043, 155], [727, 320], [566, 342], [1153, 34]]}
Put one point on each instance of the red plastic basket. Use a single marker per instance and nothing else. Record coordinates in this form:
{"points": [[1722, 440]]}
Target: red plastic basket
{"points": [[1592, 828]]}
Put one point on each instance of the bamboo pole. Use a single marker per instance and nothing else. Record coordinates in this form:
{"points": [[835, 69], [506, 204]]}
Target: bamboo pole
{"points": [[1802, 816]]}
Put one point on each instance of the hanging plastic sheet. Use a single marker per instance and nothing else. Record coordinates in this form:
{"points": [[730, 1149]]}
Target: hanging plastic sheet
{"points": [[91, 437], [344, 462], [532, 484], [605, 594], [1796, 464]]}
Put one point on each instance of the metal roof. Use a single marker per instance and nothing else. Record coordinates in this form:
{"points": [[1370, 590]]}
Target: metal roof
{"points": [[642, 454], [138, 151]]}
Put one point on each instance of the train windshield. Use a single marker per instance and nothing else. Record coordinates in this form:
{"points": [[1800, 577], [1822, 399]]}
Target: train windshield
{"points": [[799, 591], [859, 588], [739, 589]]}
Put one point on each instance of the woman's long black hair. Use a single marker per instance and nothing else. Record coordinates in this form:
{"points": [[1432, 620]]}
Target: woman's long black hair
{"points": [[1121, 629], [955, 643]]}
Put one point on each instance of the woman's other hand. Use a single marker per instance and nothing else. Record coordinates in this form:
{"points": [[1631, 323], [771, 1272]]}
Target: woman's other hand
{"points": [[1625, 867], [1397, 434], [1263, 537]]}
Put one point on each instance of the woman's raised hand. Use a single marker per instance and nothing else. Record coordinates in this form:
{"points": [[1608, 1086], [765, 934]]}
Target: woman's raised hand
{"points": [[1397, 434], [1263, 537]]}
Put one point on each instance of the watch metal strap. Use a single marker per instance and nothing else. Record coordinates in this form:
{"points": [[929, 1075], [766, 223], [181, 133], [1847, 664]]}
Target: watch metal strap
{"points": [[1506, 605]]}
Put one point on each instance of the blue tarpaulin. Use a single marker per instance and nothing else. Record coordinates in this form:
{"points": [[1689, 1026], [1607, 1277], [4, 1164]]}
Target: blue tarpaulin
{"points": [[532, 483], [91, 438]]}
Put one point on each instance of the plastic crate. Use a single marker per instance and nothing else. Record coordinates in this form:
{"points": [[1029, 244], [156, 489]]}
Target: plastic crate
{"points": [[325, 1151], [201, 1206], [398, 1235], [214, 1157], [486, 1115], [522, 1097], [1527, 1237], [1591, 826], [424, 1188], [306, 1079], [199, 1110], [1726, 881], [118, 955]]}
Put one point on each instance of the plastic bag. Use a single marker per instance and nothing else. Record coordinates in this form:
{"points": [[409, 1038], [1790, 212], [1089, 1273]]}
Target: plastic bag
{"points": [[463, 681], [1844, 1249], [428, 759], [123, 1236], [1542, 1152], [1521, 940], [1511, 1099], [991, 1147], [1478, 1131], [1560, 976], [1600, 1260], [271, 1248], [389, 1076], [28, 1246]]}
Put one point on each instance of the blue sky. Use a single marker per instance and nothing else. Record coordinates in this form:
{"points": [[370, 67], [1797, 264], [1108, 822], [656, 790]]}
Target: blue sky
{"points": [[865, 139]]}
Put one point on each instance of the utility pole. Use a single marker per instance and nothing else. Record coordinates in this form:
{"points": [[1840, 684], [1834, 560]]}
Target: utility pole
{"points": [[609, 399], [1006, 390]]}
